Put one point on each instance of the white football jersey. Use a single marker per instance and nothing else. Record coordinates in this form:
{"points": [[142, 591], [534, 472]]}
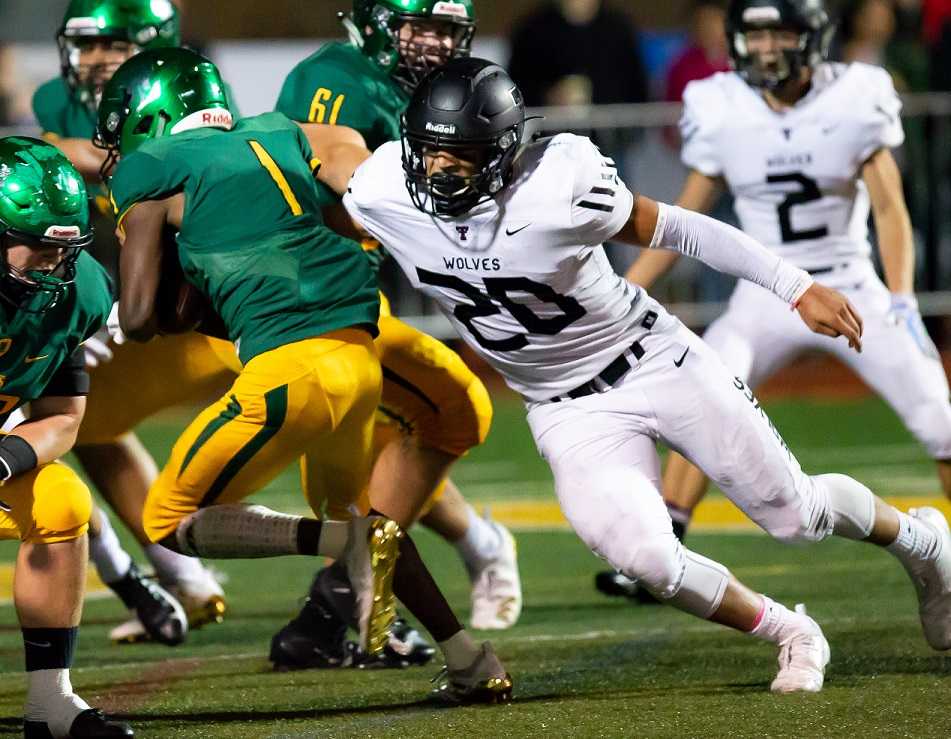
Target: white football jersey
{"points": [[796, 175], [523, 278]]}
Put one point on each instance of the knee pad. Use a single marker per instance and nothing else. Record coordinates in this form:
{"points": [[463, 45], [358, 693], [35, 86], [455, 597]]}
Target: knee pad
{"points": [[684, 579], [851, 505], [62, 505]]}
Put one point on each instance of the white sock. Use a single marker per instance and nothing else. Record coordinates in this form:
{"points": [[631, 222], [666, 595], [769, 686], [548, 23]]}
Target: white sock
{"points": [[333, 538], [111, 560], [776, 622], [50, 698], [238, 532], [916, 541], [173, 568], [480, 543], [459, 650]]}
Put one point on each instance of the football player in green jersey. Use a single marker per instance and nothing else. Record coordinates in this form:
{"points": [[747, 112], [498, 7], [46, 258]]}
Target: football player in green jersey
{"points": [[95, 37], [53, 296], [301, 305], [364, 84]]}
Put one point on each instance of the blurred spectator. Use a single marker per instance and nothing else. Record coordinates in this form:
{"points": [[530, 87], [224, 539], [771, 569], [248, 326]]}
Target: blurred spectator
{"points": [[707, 53], [575, 52], [6, 87], [886, 33]]}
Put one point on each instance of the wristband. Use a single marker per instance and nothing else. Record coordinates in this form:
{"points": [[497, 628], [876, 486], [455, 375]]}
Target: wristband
{"points": [[16, 457]]}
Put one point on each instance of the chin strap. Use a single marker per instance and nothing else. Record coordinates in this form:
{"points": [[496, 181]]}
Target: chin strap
{"points": [[353, 33]]}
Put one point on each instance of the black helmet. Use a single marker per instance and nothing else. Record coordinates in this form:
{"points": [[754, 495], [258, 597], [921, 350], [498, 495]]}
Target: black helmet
{"points": [[808, 17], [471, 106]]}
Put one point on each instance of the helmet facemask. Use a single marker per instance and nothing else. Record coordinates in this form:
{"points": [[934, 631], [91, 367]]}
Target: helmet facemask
{"points": [[37, 290], [451, 195], [786, 63], [423, 44], [87, 80]]}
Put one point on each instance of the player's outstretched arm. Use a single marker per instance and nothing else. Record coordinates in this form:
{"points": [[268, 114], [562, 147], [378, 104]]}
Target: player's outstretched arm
{"points": [[699, 193], [729, 250], [340, 151], [140, 267]]}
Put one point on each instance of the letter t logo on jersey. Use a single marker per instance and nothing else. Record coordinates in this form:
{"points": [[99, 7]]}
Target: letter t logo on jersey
{"points": [[463, 233]]}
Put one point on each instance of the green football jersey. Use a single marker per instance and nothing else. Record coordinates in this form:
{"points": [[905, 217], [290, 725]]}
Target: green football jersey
{"points": [[33, 346], [339, 85], [252, 238], [59, 112]]}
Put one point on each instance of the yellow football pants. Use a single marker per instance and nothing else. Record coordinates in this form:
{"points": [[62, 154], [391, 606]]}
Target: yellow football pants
{"points": [[49, 504], [142, 379], [285, 402]]}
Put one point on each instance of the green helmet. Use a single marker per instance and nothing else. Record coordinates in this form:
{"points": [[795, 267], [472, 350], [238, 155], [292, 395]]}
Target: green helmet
{"points": [[43, 205], [143, 24], [159, 93], [375, 26]]}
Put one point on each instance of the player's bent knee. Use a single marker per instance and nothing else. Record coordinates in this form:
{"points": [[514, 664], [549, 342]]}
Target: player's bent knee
{"points": [[657, 563], [159, 518], [465, 416], [62, 505]]}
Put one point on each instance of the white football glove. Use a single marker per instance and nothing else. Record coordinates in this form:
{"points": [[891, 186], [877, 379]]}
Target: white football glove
{"points": [[96, 348], [904, 312]]}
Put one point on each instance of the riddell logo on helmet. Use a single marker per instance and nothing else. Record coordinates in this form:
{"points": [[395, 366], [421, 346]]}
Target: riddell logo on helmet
{"points": [[447, 128], [457, 10], [207, 118], [62, 232]]}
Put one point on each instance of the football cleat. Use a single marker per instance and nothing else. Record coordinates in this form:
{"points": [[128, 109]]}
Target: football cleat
{"points": [[312, 641], [158, 616], [496, 586], [370, 558], [615, 584], [89, 724], [406, 647], [202, 600], [932, 580], [802, 658], [484, 681]]}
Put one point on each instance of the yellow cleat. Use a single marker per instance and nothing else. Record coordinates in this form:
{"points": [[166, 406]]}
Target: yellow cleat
{"points": [[370, 556]]}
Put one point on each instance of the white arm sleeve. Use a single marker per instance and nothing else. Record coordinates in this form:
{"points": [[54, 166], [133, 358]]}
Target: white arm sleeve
{"points": [[728, 250]]}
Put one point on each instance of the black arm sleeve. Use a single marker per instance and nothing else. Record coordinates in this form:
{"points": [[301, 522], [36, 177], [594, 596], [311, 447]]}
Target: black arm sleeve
{"points": [[70, 379]]}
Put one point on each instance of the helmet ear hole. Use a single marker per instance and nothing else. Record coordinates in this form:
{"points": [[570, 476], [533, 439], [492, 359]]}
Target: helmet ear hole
{"points": [[144, 125]]}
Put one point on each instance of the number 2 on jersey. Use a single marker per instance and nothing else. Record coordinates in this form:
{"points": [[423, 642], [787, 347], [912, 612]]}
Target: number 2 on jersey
{"points": [[809, 193], [499, 288], [267, 161]]}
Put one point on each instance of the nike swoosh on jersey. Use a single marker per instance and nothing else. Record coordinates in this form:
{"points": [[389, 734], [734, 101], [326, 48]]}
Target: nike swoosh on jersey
{"points": [[515, 231], [42, 644], [30, 360], [679, 362]]}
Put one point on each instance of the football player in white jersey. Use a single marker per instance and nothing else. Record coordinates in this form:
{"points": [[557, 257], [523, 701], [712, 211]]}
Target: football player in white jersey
{"points": [[508, 241], [804, 146]]}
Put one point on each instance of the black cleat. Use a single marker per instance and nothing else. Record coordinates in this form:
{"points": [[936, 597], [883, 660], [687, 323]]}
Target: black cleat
{"points": [[161, 615], [315, 640], [406, 647], [615, 584], [90, 724]]}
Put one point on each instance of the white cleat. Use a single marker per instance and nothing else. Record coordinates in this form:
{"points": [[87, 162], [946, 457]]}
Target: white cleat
{"points": [[370, 557], [802, 658], [933, 582], [497, 587]]}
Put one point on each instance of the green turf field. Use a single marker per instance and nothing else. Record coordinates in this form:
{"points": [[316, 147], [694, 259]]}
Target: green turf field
{"points": [[584, 665]]}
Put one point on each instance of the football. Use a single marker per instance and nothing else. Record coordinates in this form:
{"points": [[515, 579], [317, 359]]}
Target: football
{"points": [[179, 306]]}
